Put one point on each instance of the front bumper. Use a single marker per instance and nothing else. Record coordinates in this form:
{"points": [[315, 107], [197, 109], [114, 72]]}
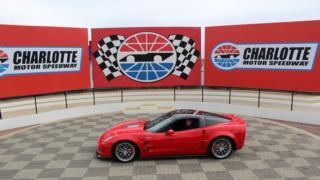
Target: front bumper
{"points": [[104, 150]]}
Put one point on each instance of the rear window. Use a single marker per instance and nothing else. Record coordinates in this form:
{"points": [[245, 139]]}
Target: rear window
{"points": [[212, 120]]}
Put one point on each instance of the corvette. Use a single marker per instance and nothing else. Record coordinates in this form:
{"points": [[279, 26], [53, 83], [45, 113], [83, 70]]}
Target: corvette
{"points": [[176, 133]]}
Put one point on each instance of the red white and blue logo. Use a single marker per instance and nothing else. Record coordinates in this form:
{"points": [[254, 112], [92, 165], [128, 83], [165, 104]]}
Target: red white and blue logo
{"points": [[266, 56], [3, 62], [146, 56], [21, 60], [226, 56]]}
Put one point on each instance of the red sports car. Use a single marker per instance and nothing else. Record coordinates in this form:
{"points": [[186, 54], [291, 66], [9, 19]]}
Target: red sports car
{"points": [[179, 132]]}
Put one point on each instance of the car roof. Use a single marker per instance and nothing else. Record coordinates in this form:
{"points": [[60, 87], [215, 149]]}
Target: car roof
{"points": [[182, 111], [192, 112]]}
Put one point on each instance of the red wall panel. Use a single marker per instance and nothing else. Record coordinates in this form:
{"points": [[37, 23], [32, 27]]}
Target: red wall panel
{"points": [[43, 38], [143, 45], [282, 36]]}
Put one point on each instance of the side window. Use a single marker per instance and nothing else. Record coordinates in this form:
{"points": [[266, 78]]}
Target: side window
{"points": [[185, 124], [212, 120]]}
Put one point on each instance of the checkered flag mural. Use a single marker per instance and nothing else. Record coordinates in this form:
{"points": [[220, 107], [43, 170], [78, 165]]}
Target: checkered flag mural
{"points": [[187, 55], [106, 55]]}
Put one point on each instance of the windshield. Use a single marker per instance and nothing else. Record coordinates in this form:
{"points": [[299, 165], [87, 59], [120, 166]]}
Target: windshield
{"points": [[150, 124]]}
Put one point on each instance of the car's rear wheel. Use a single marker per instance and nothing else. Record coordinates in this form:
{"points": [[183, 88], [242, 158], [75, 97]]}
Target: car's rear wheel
{"points": [[124, 151], [221, 147]]}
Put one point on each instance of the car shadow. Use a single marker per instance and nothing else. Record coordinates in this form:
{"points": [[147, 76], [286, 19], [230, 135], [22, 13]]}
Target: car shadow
{"points": [[162, 159]]}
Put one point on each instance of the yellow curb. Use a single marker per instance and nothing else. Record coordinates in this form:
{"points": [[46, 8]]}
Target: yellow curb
{"points": [[256, 118], [19, 131], [38, 125], [289, 127]]}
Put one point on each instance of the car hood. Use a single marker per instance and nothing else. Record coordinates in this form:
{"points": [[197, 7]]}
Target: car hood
{"points": [[128, 126]]}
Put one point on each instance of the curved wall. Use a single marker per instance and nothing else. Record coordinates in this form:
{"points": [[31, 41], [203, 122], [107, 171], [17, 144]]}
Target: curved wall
{"points": [[301, 107]]}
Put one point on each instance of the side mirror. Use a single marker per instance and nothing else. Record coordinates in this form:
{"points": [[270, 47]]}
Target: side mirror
{"points": [[170, 132]]}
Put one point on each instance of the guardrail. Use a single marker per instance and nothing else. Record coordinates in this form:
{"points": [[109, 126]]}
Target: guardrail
{"points": [[294, 101]]}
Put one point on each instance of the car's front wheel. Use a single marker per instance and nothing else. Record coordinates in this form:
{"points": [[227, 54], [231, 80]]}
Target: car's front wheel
{"points": [[220, 148], [124, 151]]}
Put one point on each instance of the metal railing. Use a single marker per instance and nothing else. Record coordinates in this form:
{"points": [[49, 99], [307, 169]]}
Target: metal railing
{"points": [[13, 107]]}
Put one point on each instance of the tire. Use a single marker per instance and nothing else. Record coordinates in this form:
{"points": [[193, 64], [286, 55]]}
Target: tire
{"points": [[124, 151], [221, 148]]}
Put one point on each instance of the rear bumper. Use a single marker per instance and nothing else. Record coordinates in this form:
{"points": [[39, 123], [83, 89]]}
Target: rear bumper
{"points": [[242, 138], [240, 144]]}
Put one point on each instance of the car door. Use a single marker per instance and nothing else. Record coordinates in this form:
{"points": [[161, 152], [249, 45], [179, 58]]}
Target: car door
{"points": [[180, 142], [187, 141]]}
